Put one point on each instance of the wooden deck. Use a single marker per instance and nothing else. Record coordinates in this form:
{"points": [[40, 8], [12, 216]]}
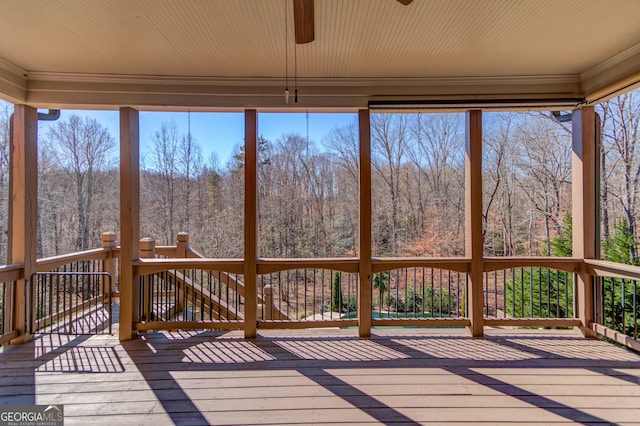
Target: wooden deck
{"points": [[327, 376]]}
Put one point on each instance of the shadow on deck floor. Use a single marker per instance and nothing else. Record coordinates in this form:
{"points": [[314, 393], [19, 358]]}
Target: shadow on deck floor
{"points": [[328, 376]]}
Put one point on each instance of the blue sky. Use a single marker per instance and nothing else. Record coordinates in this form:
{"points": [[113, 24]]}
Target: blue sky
{"points": [[218, 132]]}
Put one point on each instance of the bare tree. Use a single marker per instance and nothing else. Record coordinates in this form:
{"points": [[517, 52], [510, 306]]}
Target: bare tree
{"points": [[164, 171], [83, 147], [390, 141], [5, 142], [621, 145], [500, 194], [190, 166], [545, 161], [436, 196]]}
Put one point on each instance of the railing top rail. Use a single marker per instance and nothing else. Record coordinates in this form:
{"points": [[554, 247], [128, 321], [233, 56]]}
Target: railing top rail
{"points": [[9, 273], [344, 264], [48, 263], [604, 268], [71, 274], [382, 264], [151, 266], [194, 253], [567, 264]]}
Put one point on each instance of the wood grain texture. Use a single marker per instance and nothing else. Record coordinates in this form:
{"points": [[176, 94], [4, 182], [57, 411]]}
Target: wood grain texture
{"points": [[474, 244], [304, 21], [583, 207], [328, 376], [129, 217], [250, 222], [23, 210], [364, 225]]}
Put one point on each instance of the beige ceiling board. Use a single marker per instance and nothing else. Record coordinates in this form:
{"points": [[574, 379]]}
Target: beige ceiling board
{"points": [[148, 50]]}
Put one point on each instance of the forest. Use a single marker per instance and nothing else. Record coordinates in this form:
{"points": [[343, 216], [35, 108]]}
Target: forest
{"points": [[308, 190]]}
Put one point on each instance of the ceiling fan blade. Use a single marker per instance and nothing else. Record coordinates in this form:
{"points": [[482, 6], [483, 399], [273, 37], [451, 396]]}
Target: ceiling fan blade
{"points": [[405, 2], [303, 21]]}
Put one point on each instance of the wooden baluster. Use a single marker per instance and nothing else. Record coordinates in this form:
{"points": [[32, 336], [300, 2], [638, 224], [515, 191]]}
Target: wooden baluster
{"points": [[267, 296], [147, 251]]}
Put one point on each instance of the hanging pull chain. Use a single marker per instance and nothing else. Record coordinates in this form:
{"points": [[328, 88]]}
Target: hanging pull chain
{"points": [[307, 130], [286, 53]]}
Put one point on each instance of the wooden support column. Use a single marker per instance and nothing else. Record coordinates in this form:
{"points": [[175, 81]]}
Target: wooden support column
{"points": [[129, 218], [250, 223], [23, 211], [365, 291], [473, 219], [583, 210]]}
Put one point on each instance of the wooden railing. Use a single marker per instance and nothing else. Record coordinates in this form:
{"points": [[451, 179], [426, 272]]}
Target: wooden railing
{"points": [[99, 260], [8, 277], [297, 293], [616, 301], [300, 293]]}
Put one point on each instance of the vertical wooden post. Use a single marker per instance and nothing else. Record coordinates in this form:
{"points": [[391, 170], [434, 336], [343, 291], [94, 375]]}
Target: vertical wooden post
{"points": [[365, 251], [147, 248], [23, 211], [129, 218], [583, 206], [109, 264], [250, 222], [473, 219], [182, 242], [147, 251], [267, 296]]}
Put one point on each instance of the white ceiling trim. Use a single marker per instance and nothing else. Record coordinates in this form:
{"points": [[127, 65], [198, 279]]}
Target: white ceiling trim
{"points": [[13, 81], [47, 89], [617, 73], [271, 81]]}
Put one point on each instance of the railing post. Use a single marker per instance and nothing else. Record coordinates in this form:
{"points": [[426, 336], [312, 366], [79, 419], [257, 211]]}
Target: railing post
{"points": [[147, 251], [23, 213], [583, 202], [474, 244], [182, 242], [147, 248], [267, 296], [109, 265]]}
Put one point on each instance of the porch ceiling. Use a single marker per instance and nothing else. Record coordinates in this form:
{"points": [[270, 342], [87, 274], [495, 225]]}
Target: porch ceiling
{"points": [[229, 54]]}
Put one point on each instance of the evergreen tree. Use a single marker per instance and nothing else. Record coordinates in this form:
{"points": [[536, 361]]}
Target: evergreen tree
{"points": [[561, 245], [336, 293], [621, 245], [618, 294], [541, 292]]}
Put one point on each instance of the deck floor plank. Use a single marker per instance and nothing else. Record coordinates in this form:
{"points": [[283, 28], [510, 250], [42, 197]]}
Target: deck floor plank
{"points": [[327, 376]]}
